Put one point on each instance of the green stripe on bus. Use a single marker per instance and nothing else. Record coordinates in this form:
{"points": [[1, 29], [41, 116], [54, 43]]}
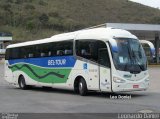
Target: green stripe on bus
{"points": [[44, 75]]}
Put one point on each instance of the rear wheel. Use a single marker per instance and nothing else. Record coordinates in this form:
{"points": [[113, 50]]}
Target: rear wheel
{"points": [[22, 83], [82, 87]]}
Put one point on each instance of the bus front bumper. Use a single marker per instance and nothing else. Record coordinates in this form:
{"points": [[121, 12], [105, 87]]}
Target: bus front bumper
{"points": [[125, 87]]}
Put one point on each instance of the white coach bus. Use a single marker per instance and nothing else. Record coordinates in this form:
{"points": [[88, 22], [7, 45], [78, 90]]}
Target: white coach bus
{"points": [[99, 59]]}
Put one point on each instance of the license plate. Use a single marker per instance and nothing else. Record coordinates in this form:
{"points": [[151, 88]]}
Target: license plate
{"points": [[135, 86]]}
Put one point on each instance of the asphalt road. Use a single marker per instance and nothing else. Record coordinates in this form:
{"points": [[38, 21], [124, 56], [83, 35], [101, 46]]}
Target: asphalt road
{"points": [[39, 100]]}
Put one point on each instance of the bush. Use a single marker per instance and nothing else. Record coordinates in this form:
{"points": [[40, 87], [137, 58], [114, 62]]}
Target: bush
{"points": [[41, 2], [156, 20], [19, 1], [28, 6], [6, 7], [60, 24], [10, 1], [44, 18], [30, 25], [54, 14], [29, 1]]}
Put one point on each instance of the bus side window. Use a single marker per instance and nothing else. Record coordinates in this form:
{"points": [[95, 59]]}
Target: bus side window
{"points": [[83, 52], [30, 55], [49, 53], [87, 49], [43, 54], [53, 53], [62, 48], [31, 51], [68, 52], [60, 52], [15, 53]]}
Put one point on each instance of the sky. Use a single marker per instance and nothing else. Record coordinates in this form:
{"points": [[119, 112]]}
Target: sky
{"points": [[151, 3]]}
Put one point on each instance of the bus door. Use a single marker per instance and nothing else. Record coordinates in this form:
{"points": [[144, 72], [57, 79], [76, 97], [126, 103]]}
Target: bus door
{"points": [[104, 70]]}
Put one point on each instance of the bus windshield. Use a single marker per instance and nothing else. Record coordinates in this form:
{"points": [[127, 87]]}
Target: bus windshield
{"points": [[130, 55]]}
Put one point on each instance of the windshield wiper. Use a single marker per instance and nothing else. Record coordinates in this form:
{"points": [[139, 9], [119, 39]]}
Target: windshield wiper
{"points": [[136, 60], [126, 65]]}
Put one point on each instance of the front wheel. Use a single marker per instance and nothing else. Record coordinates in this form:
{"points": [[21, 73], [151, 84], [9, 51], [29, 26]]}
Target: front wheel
{"points": [[22, 83], [82, 87]]}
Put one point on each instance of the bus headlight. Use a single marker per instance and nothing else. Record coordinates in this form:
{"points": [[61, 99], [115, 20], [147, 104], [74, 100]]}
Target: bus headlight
{"points": [[118, 80]]}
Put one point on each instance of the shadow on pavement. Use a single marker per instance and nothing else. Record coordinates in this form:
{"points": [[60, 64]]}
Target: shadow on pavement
{"points": [[90, 94]]}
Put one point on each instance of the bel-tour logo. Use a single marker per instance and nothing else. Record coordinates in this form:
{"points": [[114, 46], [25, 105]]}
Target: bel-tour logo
{"points": [[57, 62]]}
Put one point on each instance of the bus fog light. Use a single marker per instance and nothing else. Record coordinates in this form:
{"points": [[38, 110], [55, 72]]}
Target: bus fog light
{"points": [[147, 79], [118, 80]]}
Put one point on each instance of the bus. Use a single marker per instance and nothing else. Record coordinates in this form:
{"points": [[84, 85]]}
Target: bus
{"points": [[98, 59], [150, 54]]}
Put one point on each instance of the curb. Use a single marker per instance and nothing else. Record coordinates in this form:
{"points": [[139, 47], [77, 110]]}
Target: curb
{"points": [[154, 65]]}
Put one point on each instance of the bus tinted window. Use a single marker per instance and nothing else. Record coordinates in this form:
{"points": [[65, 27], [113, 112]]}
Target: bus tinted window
{"points": [[42, 50], [15, 53], [23, 52], [62, 48], [86, 49], [89, 48]]}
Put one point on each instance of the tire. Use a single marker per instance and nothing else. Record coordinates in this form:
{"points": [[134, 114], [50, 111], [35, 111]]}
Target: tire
{"points": [[22, 83], [47, 88], [82, 87], [76, 90]]}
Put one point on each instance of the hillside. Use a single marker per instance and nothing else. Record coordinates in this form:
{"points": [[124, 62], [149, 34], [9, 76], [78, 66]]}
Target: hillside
{"points": [[36, 19]]}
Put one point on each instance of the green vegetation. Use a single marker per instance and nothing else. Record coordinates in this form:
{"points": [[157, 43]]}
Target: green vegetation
{"points": [[37, 19]]}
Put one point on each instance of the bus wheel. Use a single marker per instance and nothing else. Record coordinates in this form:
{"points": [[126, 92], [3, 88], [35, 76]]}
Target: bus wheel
{"points": [[82, 87], [22, 83]]}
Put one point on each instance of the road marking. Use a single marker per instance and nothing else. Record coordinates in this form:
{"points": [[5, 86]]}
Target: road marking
{"points": [[145, 111]]}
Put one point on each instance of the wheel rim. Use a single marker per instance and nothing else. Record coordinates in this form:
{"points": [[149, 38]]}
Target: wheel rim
{"points": [[22, 83], [80, 87]]}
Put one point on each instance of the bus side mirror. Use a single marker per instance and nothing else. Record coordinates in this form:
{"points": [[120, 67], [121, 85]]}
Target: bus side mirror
{"points": [[113, 44]]}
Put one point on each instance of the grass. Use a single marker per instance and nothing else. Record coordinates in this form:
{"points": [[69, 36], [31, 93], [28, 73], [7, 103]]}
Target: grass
{"points": [[22, 17]]}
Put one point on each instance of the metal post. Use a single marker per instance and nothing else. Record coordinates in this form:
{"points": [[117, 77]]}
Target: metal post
{"points": [[157, 44]]}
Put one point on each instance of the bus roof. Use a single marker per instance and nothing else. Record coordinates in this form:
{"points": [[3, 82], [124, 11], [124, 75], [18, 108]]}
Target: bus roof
{"points": [[96, 33]]}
